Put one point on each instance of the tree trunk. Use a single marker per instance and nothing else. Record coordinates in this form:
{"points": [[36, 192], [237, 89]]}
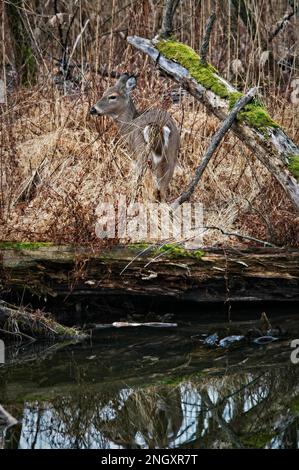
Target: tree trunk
{"points": [[266, 139], [25, 61]]}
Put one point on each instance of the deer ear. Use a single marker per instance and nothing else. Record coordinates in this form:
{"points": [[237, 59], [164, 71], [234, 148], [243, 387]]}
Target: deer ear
{"points": [[131, 83]]}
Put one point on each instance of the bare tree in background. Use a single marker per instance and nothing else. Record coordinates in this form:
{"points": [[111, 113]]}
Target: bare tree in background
{"points": [[25, 61]]}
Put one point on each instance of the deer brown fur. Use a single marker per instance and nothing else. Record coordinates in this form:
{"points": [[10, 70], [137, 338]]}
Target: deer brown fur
{"points": [[152, 136]]}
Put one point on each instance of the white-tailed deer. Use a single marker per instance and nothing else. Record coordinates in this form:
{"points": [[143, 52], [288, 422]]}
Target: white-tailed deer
{"points": [[152, 136]]}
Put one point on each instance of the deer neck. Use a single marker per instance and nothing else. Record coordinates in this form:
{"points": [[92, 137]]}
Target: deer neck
{"points": [[128, 115]]}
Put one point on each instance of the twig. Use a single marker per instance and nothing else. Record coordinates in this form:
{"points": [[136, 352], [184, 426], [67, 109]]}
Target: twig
{"points": [[216, 139], [206, 40], [65, 43], [59, 29], [238, 235], [140, 253], [77, 41]]}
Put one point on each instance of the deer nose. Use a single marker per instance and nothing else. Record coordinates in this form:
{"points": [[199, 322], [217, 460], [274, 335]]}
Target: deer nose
{"points": [[93, 110]]}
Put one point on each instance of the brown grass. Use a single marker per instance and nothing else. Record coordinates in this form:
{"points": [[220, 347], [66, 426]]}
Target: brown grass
{"points": [[81, 160]]}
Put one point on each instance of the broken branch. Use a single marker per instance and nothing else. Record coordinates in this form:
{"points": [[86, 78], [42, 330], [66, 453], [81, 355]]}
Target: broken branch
{"points": [[215, 141]]}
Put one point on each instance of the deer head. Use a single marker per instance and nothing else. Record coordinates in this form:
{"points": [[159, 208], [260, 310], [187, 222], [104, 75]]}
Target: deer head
{"points": [[116, 100]]}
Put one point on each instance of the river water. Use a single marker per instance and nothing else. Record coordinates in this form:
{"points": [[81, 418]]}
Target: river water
{"points": [[152, 388]]}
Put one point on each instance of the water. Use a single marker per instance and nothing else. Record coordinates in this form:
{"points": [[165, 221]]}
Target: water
{"points": [[151, 388]]}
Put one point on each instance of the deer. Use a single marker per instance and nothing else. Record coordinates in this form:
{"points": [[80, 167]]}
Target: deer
{"points": [[152, 136]]}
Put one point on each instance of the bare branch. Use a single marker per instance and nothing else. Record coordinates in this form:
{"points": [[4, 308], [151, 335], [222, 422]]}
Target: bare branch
{"points": [[215, 141], [281, 23], [168, 13], [206, 39], [239, 235]]}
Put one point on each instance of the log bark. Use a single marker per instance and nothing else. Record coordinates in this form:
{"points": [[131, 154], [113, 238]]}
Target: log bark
{"points": [[64, 273], [274, 149]]}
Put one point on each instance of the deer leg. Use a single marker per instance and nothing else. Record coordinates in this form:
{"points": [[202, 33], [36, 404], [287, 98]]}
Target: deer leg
{"points": [[163, 180]]}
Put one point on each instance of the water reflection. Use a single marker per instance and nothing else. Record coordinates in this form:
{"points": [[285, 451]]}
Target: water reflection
{"points": [[239, 411], [126, 391]]}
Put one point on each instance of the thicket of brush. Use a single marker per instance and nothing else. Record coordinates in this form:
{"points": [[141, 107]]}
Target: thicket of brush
{"points": [[57, 162]]}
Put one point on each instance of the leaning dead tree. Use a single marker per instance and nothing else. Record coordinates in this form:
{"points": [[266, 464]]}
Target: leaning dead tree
{"points": [[215, 141], [254, 126]]}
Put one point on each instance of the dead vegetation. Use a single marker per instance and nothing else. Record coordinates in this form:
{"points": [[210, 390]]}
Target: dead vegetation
{"points": [[21, 324], [58, 163]]}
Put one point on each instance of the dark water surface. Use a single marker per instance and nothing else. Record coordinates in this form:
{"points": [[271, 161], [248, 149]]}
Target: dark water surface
{"points": [[152, 388]]}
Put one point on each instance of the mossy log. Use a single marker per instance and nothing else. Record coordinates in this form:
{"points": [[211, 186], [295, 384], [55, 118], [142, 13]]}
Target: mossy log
{"points": [[214, 275], [255, 128]]}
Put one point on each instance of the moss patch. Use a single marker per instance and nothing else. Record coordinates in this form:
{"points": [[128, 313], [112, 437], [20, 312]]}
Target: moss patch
{"points": [[23, 245], [188, 58], [176, 251], [254, 113], [171, 250], [294, 166], [139, 246]]}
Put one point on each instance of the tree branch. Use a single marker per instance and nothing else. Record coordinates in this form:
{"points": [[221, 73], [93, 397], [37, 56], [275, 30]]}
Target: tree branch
{"points": [[215, 141], [280, 25], [168, 13], [269, 144], [206, 39]]}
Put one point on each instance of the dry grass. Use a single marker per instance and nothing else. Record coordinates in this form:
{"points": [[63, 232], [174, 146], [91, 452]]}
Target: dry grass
{"points": [[72, 161]]}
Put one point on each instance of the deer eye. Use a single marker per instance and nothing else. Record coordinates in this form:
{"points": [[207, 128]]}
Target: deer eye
{"points": [[112, 97]]}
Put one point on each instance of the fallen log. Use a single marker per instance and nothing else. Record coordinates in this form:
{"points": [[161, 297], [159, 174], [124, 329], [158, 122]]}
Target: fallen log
{"points": [[214, 275], [255, 128]]}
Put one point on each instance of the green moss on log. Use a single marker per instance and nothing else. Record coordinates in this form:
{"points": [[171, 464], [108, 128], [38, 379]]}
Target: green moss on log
{"points": [[254, 113], [23, 245], [188, 58], [294, 166], [171, 250], [139, 246], [176, 251]]}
